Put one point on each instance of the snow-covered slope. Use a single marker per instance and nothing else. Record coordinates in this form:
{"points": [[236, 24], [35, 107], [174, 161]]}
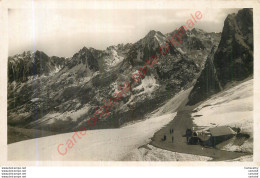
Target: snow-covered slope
{"points": [[106, 144], [151, 153]]}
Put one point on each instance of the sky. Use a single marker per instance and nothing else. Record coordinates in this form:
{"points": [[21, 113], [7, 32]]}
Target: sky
{"points": [[63, 32]]}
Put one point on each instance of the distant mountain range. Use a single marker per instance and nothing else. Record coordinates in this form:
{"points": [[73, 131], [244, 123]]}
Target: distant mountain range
{"points": [[59, 94]]}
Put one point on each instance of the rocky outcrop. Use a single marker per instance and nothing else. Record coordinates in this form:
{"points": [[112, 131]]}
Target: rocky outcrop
{"points": [[233, 59], [196, 44], [208, 83], [85, 57], [29, 64]]}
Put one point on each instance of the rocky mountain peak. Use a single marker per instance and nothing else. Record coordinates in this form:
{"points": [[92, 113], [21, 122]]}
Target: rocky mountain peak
{"points": [[151, 33], [154, 36], [197, 31], [22, 66], [85, 57]]}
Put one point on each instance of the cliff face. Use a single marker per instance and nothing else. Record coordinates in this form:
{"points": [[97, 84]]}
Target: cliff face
{"points": [[233, 59], [29, 64], [208, 83]]}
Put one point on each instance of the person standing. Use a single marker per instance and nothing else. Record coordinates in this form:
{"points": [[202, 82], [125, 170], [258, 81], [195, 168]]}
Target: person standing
{"points": [[188, 134]]}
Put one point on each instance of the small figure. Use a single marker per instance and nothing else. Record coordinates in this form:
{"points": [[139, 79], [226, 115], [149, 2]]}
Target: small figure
{"points": [[195, 134], [171, 131], [188, 134], [164, 138]]}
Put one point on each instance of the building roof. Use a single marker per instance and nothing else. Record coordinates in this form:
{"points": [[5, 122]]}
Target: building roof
{"points": [[222, 130]]}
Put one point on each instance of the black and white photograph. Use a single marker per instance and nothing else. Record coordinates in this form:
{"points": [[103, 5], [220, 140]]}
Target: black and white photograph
{"points": [[131, 84]]}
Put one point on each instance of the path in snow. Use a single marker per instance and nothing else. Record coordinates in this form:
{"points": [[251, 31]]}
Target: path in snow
{"points": [[180, 123], [232, 107]]}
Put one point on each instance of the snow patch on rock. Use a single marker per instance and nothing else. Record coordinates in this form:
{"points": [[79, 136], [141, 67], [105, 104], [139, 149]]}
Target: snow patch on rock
{"points": [[148, 85]]}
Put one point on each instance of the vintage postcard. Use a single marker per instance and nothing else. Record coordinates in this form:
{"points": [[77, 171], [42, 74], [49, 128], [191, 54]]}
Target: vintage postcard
{"points": [[129, 82]]}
